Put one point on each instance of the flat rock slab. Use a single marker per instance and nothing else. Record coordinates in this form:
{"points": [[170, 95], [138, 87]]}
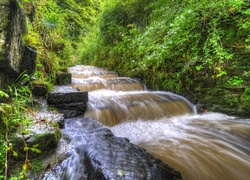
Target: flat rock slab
{"points": [[68, 100], [66, 94]]}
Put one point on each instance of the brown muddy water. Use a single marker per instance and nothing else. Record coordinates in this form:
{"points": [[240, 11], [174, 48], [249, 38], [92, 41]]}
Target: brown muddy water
{"points": [[201, 146]]}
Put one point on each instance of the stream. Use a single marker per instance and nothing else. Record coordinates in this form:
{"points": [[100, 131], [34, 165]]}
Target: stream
{"points": [[201, 146]]}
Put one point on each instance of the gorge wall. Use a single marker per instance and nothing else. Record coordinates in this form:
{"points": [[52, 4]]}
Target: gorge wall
{"points": [[15, 56]]}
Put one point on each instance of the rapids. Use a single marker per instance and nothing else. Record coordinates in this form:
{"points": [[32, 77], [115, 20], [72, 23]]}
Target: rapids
{"points": [[207, 146], [201, 146]]}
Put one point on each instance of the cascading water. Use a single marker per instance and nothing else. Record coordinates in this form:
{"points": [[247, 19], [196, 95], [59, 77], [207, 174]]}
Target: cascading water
{"points": [[207, 146], [200, 146]]}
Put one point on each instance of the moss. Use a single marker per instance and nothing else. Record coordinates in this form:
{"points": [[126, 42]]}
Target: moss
{"points": [[37, 165], [46, 141], [57, 130], [5, 111]]}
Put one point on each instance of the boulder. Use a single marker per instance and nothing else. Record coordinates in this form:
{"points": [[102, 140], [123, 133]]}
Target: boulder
{"points": [[39, 90]]}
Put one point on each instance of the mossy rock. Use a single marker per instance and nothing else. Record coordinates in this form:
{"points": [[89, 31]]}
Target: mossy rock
{"points": [[36, 145], [37, 139]]}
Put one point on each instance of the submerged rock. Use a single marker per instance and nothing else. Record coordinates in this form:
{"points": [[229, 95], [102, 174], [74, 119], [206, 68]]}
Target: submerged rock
{"points": [[101, 155]]}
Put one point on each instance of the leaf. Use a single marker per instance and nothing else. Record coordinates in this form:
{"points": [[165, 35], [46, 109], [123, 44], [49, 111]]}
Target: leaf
{"points": [[35, 145], [15, 153], [121, 172], [35, 150], [25, 148], [20, 5], [3, 94], [24, 167]]}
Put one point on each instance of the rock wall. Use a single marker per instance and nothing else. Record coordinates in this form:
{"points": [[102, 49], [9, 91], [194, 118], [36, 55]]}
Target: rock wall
{"points": [[15, 56]]}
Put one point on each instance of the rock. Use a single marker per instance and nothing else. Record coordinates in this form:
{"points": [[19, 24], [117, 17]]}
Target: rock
{"points": [[101, 155], [28, 63], [30, 10], [39, 89], [39, 137], [68, 100], [63, 78], [15, 57]]}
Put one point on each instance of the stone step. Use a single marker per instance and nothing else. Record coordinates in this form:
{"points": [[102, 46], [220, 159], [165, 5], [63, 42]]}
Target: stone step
{"points": [[78, 68], [112, 108], [87, 74], [68, 100], [116, 84]]}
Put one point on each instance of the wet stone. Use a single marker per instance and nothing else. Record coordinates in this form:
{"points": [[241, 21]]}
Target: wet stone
{"points": [[66, 94], [68, 100], [43, 134], [101, 155]]}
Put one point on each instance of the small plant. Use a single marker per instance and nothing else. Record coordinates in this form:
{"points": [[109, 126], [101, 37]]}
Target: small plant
{"points": [[235, 81]]}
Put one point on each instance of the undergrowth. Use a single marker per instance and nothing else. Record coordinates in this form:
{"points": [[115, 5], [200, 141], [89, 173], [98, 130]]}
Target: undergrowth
{"points": [[13, 116]]}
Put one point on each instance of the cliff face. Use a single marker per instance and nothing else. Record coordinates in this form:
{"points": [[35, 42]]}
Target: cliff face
{"points": [[15, 56]]}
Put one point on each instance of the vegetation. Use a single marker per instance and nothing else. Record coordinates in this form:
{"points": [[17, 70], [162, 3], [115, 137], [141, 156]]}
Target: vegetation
{"points": [[55, 31], [13, 117], [168, 42], [181, 46]]}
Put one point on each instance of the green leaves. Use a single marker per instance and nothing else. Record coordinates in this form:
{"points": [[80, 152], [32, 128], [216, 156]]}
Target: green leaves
{"points": [[33, 148], [170, 40], [3, 94]]}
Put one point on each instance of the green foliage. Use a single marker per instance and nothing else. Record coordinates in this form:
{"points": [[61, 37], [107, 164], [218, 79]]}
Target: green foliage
{"points": [[169, 44], [245, 99], [3, 94], [20, 3], [13, 116], [2, 156], [56, 30], [235, 81]]}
